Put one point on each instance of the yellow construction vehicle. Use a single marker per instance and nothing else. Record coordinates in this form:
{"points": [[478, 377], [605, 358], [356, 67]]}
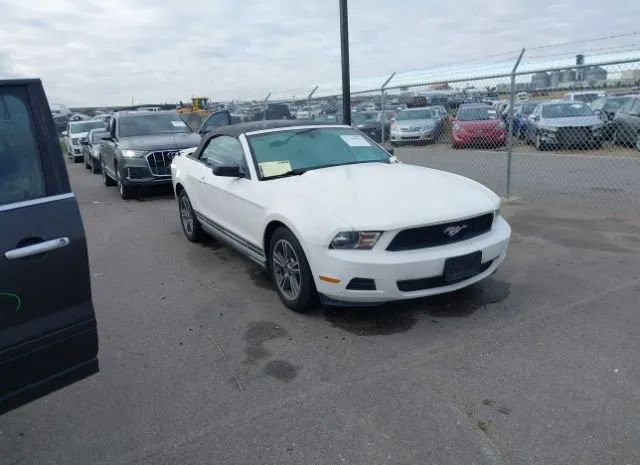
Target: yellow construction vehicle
{"points": [[194, 113]]}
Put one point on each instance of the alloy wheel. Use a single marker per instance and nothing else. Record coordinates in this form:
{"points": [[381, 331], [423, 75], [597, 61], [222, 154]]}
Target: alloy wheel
{"points": [[286, 269], [186, 215]]}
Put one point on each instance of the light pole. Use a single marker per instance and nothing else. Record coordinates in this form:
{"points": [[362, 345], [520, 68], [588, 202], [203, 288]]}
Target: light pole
{"points": [[346, 82]]}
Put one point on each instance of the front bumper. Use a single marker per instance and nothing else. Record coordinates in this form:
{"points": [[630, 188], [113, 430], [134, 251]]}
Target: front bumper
{"points": [[401, 136], [138, 173], [387, 268], [478, 138]]}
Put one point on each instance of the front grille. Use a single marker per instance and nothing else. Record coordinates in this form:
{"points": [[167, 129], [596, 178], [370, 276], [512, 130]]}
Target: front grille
{"points": [[137, 173], [160, 162], [441, 234], [410, 137], [574, 136], [422, 284]]}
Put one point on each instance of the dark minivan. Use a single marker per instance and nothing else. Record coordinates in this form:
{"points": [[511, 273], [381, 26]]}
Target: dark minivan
{"points": [[48, 335]]}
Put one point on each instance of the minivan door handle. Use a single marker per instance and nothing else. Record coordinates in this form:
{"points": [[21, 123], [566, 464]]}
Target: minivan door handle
{"points": [[37, 249]]}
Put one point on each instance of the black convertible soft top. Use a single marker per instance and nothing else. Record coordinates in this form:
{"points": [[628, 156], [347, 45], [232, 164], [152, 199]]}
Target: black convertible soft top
{"points": [[235, 130]]}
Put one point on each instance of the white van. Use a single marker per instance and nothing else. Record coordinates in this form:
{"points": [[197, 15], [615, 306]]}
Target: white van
{"points": [[586, 96]]}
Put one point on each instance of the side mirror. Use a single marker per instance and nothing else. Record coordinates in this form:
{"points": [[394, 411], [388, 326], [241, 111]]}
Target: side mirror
{"points": [[229, 171], [65, 133], [451, 118], [108, 138], [390, 151]]}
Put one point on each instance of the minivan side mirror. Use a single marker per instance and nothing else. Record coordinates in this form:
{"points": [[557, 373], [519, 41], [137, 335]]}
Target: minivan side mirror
{"points": [[229, 171], [65, 133]]}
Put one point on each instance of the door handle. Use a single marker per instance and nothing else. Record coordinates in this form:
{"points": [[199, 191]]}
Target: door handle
{"points": [[202, 179], [36, 249]]}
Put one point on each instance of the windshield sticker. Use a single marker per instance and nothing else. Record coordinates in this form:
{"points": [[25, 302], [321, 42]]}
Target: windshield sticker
{"points": [[178, 124], [355, 141], [274, 168], [576, 105]]}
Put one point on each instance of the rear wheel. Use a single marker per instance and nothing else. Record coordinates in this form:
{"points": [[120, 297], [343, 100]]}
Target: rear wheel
{"points": [[290, 271], [190, 224]]}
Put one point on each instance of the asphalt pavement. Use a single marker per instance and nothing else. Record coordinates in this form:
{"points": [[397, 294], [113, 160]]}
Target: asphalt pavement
{"points": [[605, 179], [202, 364]]}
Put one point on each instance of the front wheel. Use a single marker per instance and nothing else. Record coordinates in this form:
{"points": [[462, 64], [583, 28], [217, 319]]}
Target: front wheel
{"points": [[106, 180], [125, 191], [290, 271]]}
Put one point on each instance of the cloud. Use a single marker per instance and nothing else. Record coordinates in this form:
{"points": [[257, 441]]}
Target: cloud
{"points": [[90, 52]]}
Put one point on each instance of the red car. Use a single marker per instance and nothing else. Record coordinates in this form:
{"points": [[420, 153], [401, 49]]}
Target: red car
{"points": [[478, 125]]}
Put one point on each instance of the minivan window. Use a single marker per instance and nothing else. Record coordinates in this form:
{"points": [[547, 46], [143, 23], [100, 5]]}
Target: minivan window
{"points": [[21, 171]]}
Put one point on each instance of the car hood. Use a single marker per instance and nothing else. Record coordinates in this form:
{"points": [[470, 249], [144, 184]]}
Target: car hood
{"points": [[380, 196], [415, 123], [160, 141], [368, 125], [480, 124], [571, 121]]}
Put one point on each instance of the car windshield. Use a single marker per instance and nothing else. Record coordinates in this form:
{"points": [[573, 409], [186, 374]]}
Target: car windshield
{"points": [[77, 128], [415, 114], [586, 98], [477, 114], [365, 117], [152, 123], [613, 104], [565, 110], [294, 151]]}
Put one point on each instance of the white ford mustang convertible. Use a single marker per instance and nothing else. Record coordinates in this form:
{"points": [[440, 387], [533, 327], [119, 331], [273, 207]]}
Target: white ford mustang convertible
{"points": [[332, 215]]}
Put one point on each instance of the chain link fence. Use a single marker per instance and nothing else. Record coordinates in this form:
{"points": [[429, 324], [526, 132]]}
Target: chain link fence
{"points": [[561, 131]]}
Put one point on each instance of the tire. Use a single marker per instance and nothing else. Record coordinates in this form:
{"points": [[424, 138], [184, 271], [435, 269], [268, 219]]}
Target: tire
{"points": [[95, 169], [297, 291], [596, 145], [106, 180], [125, 191], [190, 224]]}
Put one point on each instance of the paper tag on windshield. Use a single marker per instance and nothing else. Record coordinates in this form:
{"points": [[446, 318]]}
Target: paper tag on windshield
{"points": [[274, 168], [355, 141], [178, 124]]}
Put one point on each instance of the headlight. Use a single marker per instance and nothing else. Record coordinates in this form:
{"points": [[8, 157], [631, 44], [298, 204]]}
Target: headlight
{"points": [[133, 153], [428, 127], [457, 127], [597, 127], [75, 141], [189, 151], [502, 125], [549, 128], [355, 240]]}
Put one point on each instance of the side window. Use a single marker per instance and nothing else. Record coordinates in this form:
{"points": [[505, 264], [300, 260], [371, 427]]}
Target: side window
{"points": [[21, 171], [217, 120], [635, 109], [223, 151]]}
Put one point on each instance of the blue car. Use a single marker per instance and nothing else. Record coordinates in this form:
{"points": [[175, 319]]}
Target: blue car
{"points": [[521, 118]]}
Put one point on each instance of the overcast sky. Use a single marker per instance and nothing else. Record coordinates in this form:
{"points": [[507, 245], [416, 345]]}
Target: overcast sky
{"points": [[92, 52]]}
